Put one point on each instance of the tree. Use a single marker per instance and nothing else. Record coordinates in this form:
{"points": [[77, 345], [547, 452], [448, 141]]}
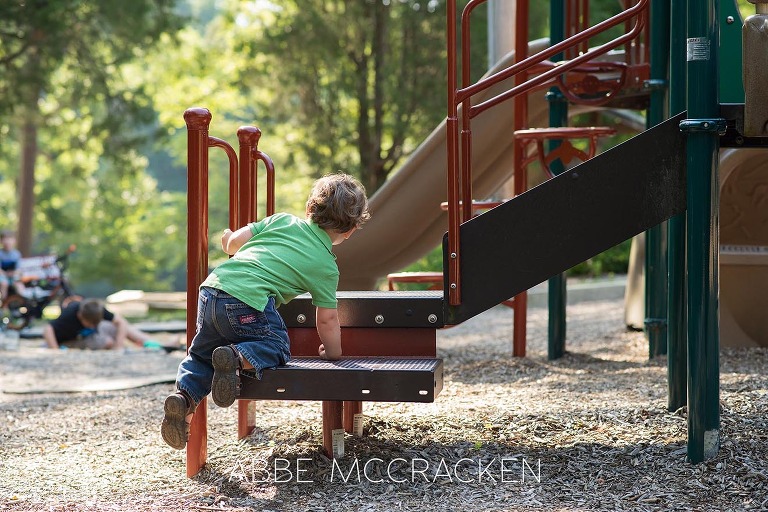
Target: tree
{"points": [[363, 81], [87, 40]]}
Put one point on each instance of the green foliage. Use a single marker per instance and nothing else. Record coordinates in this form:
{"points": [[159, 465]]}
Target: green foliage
{"points": [[746, 9], [64, 75], [360, 83], [352, 85], [613, 261], [93, 36]]}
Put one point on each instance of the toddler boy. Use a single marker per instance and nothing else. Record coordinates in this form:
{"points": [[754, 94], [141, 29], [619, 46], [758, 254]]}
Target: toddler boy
{"points": [[273, 261]]}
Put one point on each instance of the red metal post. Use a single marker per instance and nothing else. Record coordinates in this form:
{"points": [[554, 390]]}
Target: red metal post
{"points": [[352, 410], [452, 143], [246, 188], [465, 179], [248, 136], [520, 184], [332, 421], [246, 191], [197, 120]]}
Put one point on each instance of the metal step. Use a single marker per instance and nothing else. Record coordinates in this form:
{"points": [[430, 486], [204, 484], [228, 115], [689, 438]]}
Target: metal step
{"points": [[373, 309], [379, 379]]}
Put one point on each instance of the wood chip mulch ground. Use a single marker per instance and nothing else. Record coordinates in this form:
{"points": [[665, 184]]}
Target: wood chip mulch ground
{"points": [[590, 431]]}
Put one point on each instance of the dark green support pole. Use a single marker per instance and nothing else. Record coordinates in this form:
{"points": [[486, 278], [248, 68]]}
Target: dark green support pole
{"points": [[558, 116], [656, 242], [677, 330], [703, 127]]}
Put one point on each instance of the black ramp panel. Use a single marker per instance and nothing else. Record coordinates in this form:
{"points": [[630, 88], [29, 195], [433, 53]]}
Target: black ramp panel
{"points": [[364, 379], [570, 218]]}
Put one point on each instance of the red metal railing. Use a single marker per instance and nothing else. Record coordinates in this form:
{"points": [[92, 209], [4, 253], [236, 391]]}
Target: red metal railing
{"points": [[459, 173], [242, 209], [246, 191], [249, 137]]}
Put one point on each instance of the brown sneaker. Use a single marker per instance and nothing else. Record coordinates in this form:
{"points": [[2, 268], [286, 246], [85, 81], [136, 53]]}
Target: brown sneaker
{"points": [[225, 387], [175, 429]]}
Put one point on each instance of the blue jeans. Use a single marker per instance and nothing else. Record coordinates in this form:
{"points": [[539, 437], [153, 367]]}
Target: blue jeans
{"points": [[260, 337]]}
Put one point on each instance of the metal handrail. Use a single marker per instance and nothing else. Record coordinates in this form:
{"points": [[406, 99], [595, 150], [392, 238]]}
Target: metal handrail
{"points": [[250, 156], [270, 168], [232, 157], [459, 176]]}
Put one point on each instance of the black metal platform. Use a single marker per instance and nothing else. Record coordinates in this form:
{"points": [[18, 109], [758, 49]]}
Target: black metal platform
{"points": [[378, 379], [570, 218], [373, 309]]}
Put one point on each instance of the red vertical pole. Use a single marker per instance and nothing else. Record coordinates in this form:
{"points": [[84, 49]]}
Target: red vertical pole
{"points": [[465, 179], [332, 420], [351, 409], [197, 120], [452, 143], [248, 137], [520, 183]]}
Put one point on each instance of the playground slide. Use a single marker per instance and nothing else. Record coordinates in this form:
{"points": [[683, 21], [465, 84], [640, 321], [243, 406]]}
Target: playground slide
{"points": [[406, 219], [743, 252]]}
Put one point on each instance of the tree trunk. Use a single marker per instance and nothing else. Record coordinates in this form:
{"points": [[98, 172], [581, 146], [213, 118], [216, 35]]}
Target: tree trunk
{"points": [[26, 185]]}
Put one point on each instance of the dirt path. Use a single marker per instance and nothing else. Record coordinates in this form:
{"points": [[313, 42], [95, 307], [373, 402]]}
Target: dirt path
{"points": [[588, 432]]}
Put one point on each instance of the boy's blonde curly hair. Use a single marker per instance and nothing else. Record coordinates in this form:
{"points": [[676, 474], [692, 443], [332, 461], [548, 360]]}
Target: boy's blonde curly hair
{"points": [[338, 203]]}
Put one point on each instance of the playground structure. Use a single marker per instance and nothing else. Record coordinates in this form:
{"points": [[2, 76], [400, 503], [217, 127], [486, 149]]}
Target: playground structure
{"points": [[666, 172], [743, 253]]}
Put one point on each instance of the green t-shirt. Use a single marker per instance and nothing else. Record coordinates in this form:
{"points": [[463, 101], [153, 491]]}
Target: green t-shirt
{"points": [[286, 256]]}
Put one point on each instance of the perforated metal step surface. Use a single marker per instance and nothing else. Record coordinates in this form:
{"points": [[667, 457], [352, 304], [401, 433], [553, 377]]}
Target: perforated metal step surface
{"points": [[364, 379]]}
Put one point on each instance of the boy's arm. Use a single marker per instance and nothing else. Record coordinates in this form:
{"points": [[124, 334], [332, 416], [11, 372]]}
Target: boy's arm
{"points": [[50, 337], [231, 241], [330, 333]]}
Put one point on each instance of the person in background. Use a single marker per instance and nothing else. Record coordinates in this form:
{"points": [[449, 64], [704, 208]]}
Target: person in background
{"points": [[87, 324], [9, 260]]}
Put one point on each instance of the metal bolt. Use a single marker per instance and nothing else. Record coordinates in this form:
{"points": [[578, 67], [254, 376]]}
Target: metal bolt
{"points": [[432, 318], [453, 286], [729, 20], [301, 319], [379, 319], [453, 255]]}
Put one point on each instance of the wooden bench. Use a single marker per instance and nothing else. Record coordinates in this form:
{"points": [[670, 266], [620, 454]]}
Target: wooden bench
{"points": [[389, 342]]}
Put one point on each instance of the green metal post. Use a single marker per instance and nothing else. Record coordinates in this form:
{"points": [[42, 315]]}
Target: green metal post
{"points": [[677, 330], [558, 116], [703, 127], [656, 243]]}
